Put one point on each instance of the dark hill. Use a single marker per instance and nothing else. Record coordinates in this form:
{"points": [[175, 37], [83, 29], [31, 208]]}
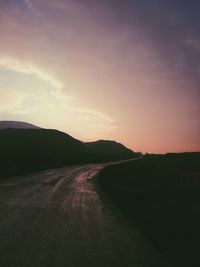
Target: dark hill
{"points": [[109, 150], [26, 150], [17, 125]]}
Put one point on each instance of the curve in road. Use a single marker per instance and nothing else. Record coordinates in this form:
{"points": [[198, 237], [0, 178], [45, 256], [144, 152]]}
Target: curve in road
{"points": [[57, 218]]}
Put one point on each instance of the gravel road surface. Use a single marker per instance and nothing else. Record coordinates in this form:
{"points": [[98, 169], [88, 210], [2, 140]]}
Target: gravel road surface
{"points": [[57, 218]]}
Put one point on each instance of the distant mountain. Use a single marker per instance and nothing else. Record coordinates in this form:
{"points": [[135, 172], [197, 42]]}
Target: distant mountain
{"points": [[17, 125]]}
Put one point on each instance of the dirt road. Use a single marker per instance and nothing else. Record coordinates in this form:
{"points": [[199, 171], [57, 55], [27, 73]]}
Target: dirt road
{"points": [[56, 218]]}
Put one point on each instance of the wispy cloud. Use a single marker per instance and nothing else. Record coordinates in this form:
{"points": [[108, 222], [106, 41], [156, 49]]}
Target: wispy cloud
{"points": [[52, 104], [11, 99], [28, 68], [92, 62]]}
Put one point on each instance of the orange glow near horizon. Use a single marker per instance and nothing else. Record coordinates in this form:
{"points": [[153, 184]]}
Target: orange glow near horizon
{"points": [[93, 71]]}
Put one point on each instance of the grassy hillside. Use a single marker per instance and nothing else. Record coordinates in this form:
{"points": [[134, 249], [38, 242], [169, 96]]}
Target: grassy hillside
{"points": [[27, 150], [161, 196], [24, 150], [108, 151]]}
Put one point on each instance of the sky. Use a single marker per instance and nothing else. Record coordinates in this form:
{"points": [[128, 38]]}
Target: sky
{"points": [[122, 70]]}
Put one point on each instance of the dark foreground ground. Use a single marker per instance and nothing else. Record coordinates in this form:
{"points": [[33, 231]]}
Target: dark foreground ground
{"points": [[161, 196], [56, 218]]}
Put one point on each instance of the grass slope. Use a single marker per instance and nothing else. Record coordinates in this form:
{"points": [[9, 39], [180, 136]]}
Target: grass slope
{"points": [[161, 196], [27, 150]]}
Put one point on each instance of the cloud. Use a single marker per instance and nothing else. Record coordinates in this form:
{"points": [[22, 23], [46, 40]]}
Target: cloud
{"points": [[50, 104], [11, 99], [91, 114], [28, 68]]}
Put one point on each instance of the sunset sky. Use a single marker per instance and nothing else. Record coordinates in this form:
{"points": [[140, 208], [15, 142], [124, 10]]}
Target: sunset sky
{"points": [[106, 69]]}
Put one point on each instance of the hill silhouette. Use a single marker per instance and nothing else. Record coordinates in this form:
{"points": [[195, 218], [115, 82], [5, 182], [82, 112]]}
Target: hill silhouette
{"points": [[107, 149], [17, 125], [26, 150]]}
